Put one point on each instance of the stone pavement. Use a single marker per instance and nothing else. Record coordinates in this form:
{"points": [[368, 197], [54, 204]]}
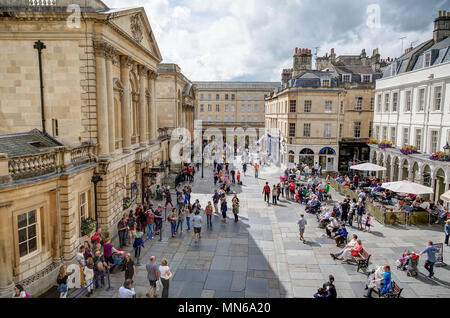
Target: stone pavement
{"points": [[261, 256]]}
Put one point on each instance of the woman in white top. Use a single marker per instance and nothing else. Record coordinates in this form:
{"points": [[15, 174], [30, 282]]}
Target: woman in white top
{"points": [[165, 276]]}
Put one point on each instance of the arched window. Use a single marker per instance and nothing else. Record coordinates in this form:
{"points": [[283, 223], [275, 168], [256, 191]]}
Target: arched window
{"points": [[327, 151], [307, 151]]}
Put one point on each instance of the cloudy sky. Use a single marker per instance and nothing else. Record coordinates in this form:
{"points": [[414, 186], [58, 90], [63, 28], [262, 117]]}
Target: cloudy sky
{"points": [[255, 39]]}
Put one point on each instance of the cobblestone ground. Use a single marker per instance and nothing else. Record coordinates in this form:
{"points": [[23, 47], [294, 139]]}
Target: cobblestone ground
{"points": [[261, 256]]}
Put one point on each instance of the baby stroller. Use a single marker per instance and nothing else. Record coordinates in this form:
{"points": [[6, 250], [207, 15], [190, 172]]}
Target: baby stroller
{"points": [[411, 268]]}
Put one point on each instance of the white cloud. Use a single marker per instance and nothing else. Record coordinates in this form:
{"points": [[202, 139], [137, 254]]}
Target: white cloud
{"points": [[255, 39]]}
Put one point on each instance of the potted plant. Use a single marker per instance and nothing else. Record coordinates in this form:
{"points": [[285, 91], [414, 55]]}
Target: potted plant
{"points": [[127, 202], [409, 150], [373, 141], [385, 144], [87, 226]]}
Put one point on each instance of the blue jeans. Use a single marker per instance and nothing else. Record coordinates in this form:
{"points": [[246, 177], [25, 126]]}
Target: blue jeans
{"points": [[122, 237], [173, 227], [180, 222], [150, 229], [188, 223], [256, 174]]}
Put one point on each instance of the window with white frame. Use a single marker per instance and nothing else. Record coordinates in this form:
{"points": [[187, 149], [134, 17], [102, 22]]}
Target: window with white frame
{"points": [[395, 102], [233, 97], [242, 96], [393, 135], [249, 97], [408, 101], [358, 103], [367, 78], [242, 108], [209, 96], [427, 60], [327, 130], [326, 83], [233, 119], [434, 141], [405, 136], [418, 143], [384, 133], [28, 232], [308, 104], [218, 108], [226, 119], [421, 100], [217, 96], [84, 206], [209, 108], [226, 96], [218, 119], [226, 108], [256, 108], [293, 106], [209, 118], [242, 118], [437, 98], [202, 108], [357, 129], [249, 108], [346, 78], [377, 132], [387, 97], [328, 106]]}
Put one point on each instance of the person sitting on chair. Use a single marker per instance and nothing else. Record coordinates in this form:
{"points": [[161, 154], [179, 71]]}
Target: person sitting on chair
{"points": [[341, 235], [333, 226], [385, 282]]}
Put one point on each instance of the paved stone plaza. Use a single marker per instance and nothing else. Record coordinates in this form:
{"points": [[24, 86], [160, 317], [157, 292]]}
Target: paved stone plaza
{"points": [[261, 256]]}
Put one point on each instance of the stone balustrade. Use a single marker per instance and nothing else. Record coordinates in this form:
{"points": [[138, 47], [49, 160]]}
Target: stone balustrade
{"points": [[57, 160], [42, 2]]}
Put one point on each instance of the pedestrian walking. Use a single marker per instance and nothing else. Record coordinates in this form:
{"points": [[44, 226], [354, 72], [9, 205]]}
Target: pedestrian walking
{"points": [[62, 281], [197, 221], [223, 209], [216, 198], [172, 219], [122, 229], [209, 213], [447, 232], [153, 275], [274, 195], [188, 214], [360, 211], [180, 221], [235, 208], [89, 276], [129, 268], [431, 251], [137, 244], [301, 226], [165, 275], [256, 167], [266, 192], [244, 168]]}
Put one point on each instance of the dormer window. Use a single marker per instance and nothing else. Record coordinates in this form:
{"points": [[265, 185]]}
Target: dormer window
{"points": [[427, 60], [346, 78], [326, 83], [367, 78]]}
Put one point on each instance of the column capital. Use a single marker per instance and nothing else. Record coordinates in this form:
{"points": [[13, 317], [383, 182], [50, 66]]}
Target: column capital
{"points": [[143, 71], [126, 61], [111, 52], [100, 48], [153, 75]]}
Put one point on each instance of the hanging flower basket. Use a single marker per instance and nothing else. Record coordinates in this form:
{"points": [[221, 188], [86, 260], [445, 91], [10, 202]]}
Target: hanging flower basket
{"points": [[385, 144], [373, 141], [409, 150]]}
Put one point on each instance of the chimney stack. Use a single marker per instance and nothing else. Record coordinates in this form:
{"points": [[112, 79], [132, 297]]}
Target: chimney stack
{"points": [[441, 26]]}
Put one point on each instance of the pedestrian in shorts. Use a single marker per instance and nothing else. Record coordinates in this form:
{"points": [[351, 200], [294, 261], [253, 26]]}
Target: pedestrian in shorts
{"points": [[197, 221], [301, 226], [153, 275]]}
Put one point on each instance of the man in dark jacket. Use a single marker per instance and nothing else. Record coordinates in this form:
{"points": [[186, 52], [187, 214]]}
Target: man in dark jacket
{"points": [[332, 288]]}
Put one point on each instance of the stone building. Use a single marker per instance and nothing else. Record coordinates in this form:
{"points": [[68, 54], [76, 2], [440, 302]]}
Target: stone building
{"points": [[324, 115], [95, 117], [412, 109], [175, 99], [232, 105]]}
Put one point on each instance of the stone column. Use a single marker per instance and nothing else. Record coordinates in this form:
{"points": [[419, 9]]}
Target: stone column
{"points": [[142, 105], [110, 98], [100, 48], [6, 251], [421, 171], [392, 172], [125, 66], [153, 110], [411, 173]]}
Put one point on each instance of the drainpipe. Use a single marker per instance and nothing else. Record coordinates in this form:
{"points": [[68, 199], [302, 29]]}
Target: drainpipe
{"points": [[40, 46], [96, 179]]}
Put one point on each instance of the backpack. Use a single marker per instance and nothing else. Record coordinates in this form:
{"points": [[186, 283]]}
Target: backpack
{"points": [[266, 189]]}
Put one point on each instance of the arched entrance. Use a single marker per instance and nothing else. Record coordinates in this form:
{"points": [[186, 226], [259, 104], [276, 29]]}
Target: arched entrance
{"points": [[326, 158], [291, 156], [306, 157]]}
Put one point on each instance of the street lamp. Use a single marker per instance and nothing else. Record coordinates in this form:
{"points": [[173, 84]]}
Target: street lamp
{"points": [[203, 160], [96, 179]]}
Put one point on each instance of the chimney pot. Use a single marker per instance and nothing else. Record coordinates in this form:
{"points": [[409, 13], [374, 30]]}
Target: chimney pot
{"points": [[444, 13], [440, 13]]}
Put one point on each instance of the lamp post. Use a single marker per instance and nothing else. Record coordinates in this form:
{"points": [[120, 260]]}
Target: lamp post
{"points": [[95, 180], [203, 160]]}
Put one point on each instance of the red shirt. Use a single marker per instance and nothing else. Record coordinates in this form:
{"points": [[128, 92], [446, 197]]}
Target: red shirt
{"points": [[266, 189]]}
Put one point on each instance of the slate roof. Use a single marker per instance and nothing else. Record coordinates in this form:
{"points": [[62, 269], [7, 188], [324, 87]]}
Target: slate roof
{"points": [[21, 144]]}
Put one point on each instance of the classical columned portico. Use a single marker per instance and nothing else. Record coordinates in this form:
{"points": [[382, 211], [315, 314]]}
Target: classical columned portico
{"points": [[100, 49], [125, 66], [142, 105]]}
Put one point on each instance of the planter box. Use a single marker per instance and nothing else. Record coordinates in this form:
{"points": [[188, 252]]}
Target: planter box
{"points": [[418, 218], [392, 218]]}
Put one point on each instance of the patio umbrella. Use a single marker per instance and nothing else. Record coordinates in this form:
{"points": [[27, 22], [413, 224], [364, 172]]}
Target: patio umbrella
{"points": [[446, 196], [407, 187], [368, 167]]}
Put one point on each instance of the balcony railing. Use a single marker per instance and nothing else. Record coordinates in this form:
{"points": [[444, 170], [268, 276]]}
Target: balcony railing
{"points": [[57, 160]]}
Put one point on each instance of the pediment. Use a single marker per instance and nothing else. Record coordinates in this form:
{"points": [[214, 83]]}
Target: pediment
{"points": [[134, 22]]}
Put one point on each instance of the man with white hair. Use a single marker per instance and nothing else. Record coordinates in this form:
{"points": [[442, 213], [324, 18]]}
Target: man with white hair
{"points": [[153, 276]]}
